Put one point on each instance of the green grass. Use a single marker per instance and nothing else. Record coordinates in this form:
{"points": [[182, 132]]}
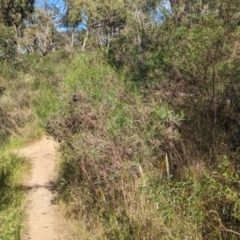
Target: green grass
{"points": [[11, 194]]}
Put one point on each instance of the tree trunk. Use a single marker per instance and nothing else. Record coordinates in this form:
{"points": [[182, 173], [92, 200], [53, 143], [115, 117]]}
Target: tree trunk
{"points": [[18, 35], [85, 40], [72, 38]]}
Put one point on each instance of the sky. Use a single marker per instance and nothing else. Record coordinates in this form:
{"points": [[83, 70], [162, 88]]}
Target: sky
{"points": [[58, 3]]}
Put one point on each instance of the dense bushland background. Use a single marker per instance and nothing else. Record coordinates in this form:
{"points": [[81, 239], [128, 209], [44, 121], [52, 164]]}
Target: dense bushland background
{"points": [[144, 100]]}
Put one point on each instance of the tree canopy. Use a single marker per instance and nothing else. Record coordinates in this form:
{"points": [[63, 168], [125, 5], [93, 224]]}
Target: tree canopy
{"points": [[13, 12]]}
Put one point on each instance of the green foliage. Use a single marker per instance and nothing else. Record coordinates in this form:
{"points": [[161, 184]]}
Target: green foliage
{"points": [[46, 83], [7, 43], [159, 91], [114, 137], [209, 205], [41, 35], [95, 11], [13, 12], [108, 131], [193, 68], [11, 195]]}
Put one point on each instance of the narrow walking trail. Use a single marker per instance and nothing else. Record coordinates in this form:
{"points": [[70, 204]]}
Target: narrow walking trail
{"points": [[42, 221]]}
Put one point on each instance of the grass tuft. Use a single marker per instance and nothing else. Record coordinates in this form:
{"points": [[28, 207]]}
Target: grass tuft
{"points": [[12, 193]]}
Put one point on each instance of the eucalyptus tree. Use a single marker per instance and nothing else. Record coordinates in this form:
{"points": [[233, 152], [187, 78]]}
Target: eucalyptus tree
{"points": [[38, 36], [14, 12], [104, 20], [227, 10], [133, 48], [12, 15], [99, 18], [197, 60], [42, 33]]}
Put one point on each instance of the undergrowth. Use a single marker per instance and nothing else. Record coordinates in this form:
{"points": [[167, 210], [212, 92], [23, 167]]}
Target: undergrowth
{"points": [[117, 140], [12, 193], [113, 175]]}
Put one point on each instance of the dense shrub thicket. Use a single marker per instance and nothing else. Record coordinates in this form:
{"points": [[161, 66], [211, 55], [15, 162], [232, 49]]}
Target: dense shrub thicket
{"points": [[115, 139]]}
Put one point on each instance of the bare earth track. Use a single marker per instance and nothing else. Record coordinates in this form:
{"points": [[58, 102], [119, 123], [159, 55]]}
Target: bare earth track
{"points": [[43, 221]]}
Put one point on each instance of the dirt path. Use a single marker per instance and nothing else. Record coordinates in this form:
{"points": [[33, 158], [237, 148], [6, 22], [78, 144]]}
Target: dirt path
{"points": [[43, 221]]}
